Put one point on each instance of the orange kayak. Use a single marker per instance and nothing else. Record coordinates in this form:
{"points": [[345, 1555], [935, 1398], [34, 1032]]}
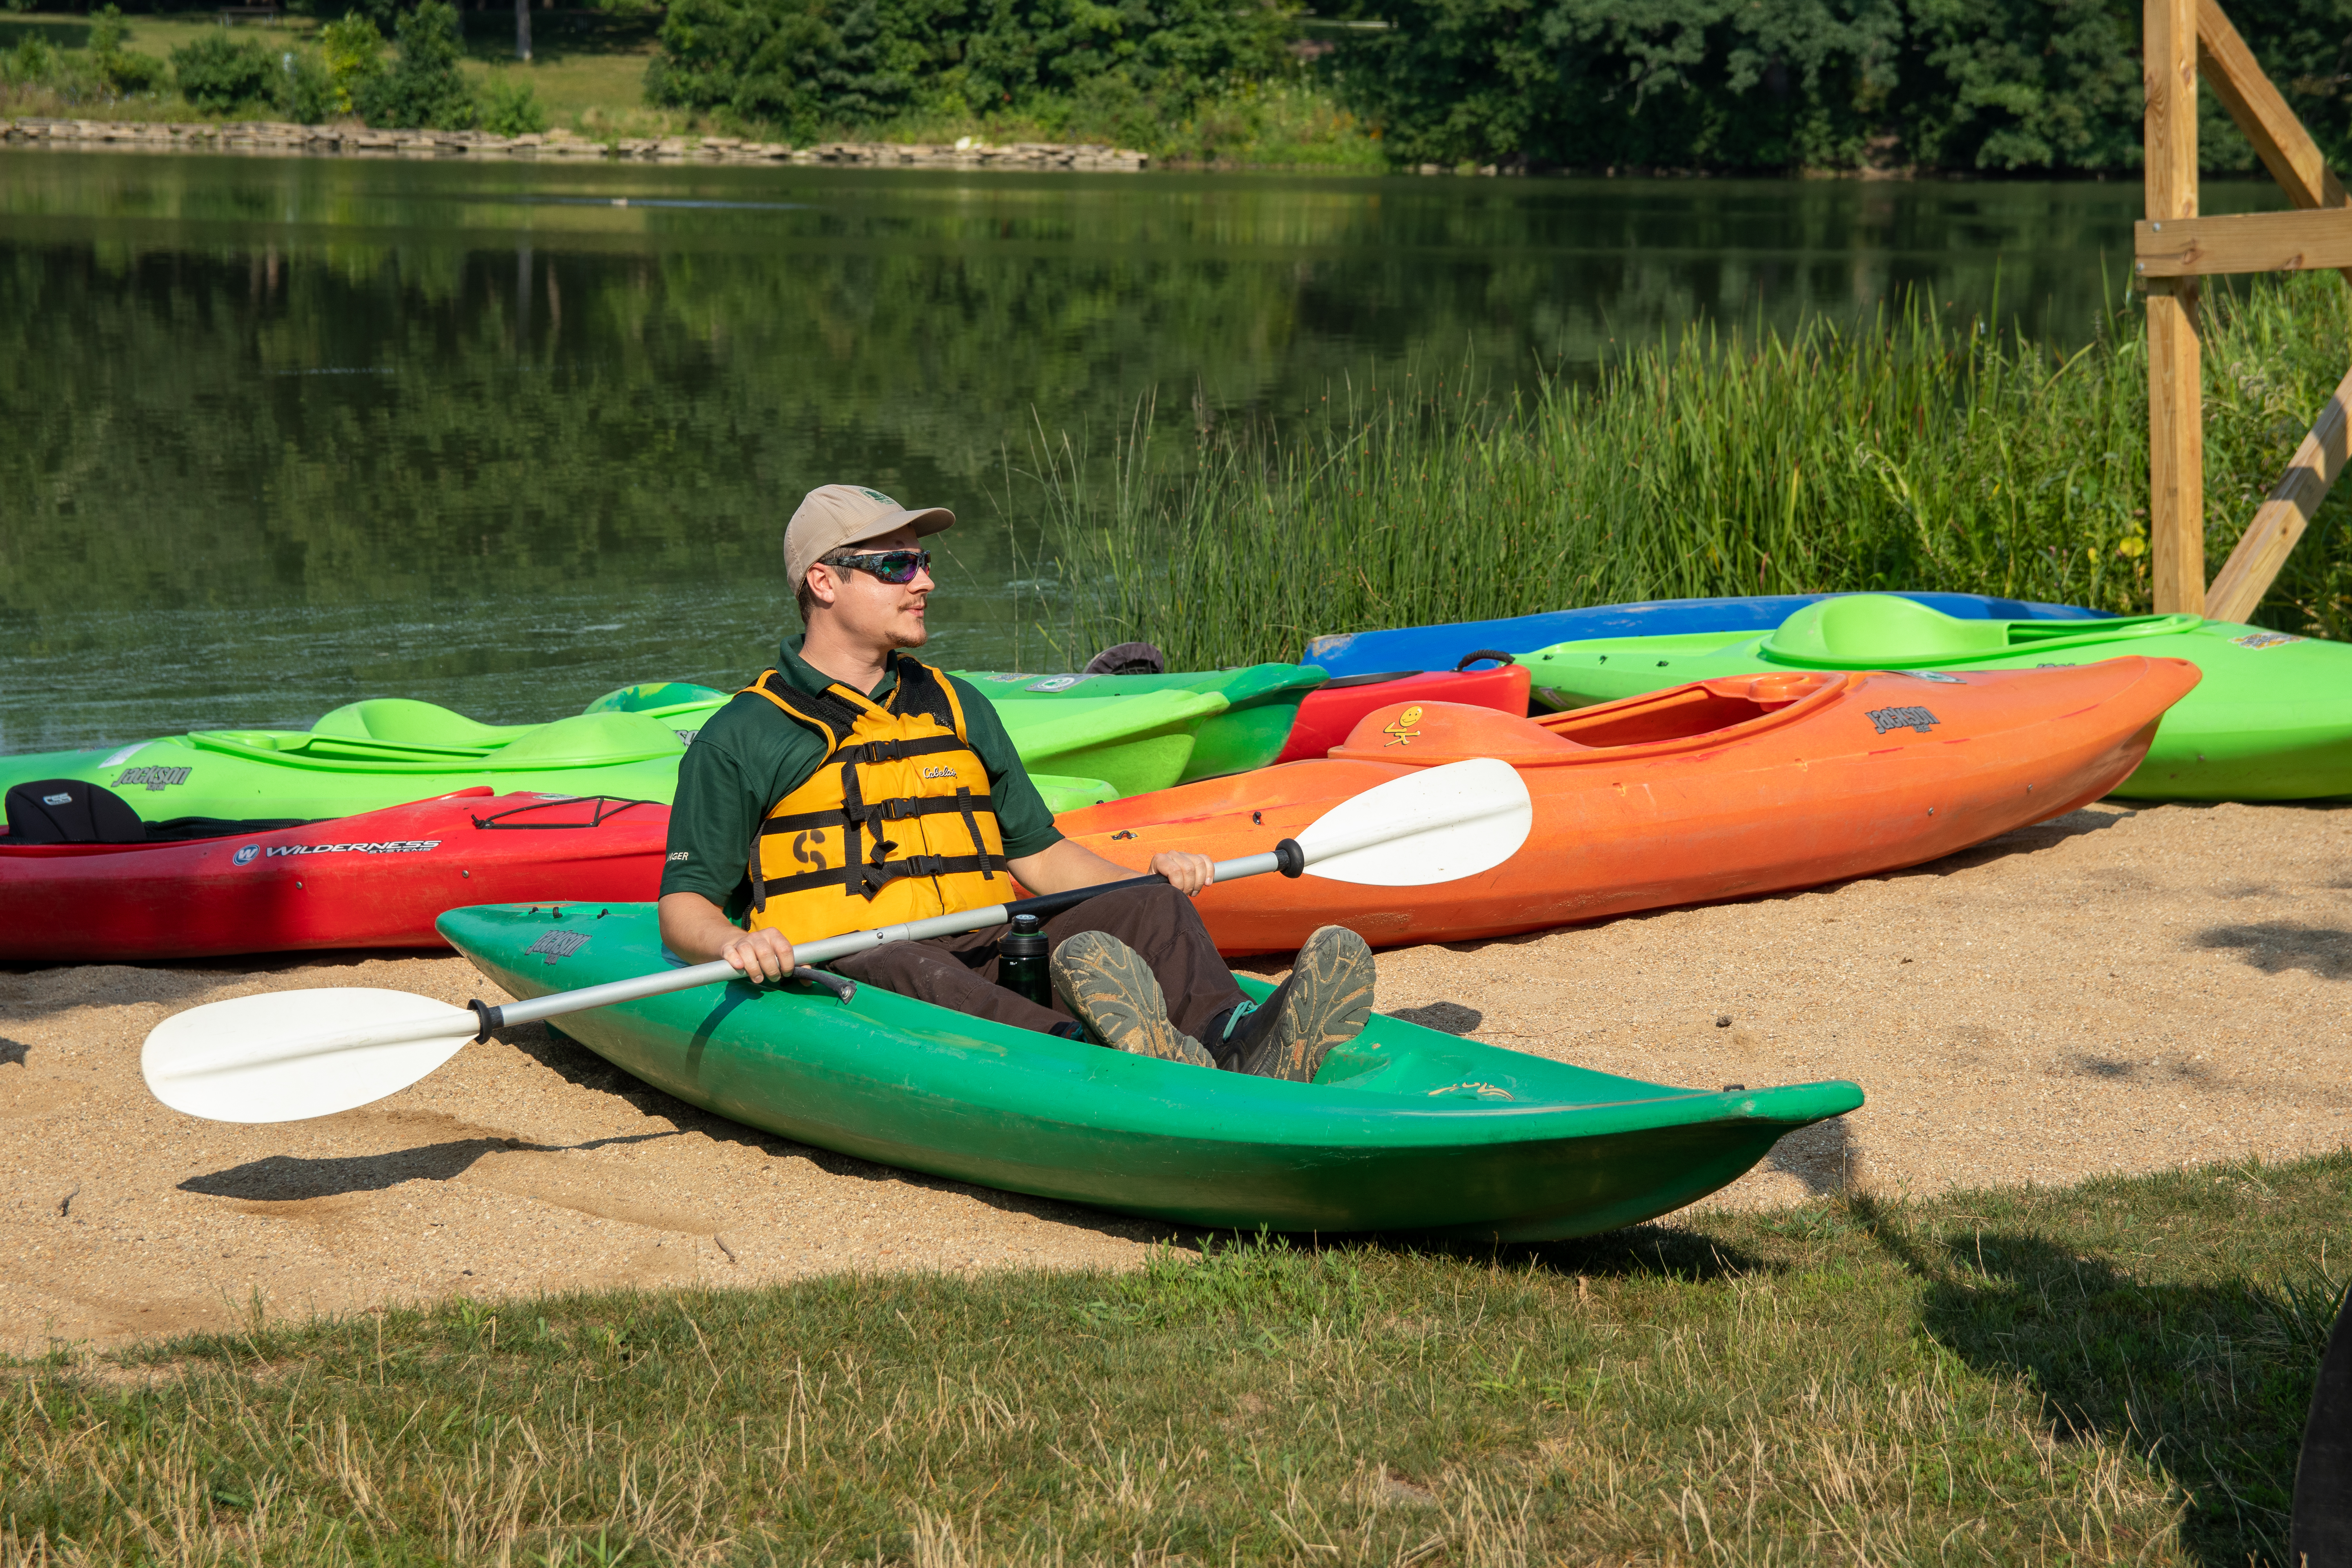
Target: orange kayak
{"points": [[1717, 790]]}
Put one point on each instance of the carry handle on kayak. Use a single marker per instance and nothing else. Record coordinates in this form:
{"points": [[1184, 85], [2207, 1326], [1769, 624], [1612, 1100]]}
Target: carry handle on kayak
{"points": [[1468, 659]]}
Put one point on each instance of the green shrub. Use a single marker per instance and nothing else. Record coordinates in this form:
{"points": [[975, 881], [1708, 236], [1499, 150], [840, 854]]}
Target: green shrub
{"points": [[29, 62], [123, 70], [511, 107], [220, 74], [764, 60], [305, 90], [1073, 66], [424, 85], [354, 57]]}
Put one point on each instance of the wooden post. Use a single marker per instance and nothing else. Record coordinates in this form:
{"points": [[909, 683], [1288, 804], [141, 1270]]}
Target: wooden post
{"points": [[523, 31], [2176, 489], [2263, 549]]}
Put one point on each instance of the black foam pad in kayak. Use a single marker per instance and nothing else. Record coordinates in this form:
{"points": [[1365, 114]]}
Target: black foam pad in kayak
{"points": [[1128, 658], [2320, 1534], [68, 811]]}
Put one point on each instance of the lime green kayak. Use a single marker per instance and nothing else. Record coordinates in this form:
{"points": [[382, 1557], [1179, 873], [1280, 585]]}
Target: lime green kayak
{"points": [[1138, 743], [1405, 1129], [1076, 758], [2270, 720], [389, 751], [1260, 705]]}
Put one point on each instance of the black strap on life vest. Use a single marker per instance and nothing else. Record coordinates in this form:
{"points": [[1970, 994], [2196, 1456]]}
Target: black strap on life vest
{"points": [[871, 877], [898, 810], [972, 825]]}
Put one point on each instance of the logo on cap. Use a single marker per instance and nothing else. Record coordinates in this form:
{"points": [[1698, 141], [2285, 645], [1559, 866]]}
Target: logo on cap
{"points": [[876, 495]]}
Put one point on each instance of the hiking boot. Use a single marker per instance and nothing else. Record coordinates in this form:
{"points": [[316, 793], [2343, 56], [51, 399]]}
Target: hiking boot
{"points": [[1100, 979], [1325, 1003]]}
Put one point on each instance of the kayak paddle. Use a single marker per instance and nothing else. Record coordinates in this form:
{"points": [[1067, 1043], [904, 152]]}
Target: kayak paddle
{"points": [[284, 1055]]}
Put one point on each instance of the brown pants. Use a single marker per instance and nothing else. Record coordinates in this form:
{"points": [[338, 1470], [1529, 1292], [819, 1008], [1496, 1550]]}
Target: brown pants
{"points": [[959, 972]]}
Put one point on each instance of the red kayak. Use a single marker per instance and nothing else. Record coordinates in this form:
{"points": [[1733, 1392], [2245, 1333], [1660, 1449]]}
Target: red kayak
{"points": [[373, 880], [1331, 710]]}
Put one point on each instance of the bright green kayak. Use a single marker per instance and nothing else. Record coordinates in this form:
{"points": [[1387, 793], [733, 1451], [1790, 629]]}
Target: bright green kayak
{"points": [[2270, 720], [1138, 743], [388, 750], [1131, 742], [1406, 1129], [1261, 703]]}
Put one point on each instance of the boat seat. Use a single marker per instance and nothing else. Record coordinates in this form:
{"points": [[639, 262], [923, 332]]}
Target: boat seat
{"points": [[404, 721], [587, 739], [1859, 629], [654, 695], [68, 811]]}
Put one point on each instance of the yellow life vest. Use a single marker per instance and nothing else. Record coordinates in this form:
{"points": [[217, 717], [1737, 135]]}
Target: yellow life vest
{"points": [[895, 824]]}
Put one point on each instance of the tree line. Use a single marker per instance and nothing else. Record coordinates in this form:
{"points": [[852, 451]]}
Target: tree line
{"points": [[2003, 86], [1984, 87], [351, 71]]}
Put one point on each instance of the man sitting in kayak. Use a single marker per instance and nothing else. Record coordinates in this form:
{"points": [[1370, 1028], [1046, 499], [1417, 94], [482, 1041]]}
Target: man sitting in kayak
{"points": [[872, 789]]}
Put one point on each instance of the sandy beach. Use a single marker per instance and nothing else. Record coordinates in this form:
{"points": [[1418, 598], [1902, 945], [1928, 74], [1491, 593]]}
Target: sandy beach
{"points": [[2123, 989]]}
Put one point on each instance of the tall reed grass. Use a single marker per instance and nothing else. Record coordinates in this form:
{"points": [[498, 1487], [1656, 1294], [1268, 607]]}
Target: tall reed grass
{"points": [[1919, 451]]}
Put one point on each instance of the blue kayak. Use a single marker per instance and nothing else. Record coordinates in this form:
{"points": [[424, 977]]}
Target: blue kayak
{"points": [[1445, 647]]}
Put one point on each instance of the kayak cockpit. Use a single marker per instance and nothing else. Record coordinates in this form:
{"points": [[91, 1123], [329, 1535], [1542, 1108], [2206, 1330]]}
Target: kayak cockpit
{"points": [[1705, 713], [1882, 629]]}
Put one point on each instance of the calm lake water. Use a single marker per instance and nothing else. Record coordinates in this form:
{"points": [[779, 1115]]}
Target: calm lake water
{"points": [[284, 433]]}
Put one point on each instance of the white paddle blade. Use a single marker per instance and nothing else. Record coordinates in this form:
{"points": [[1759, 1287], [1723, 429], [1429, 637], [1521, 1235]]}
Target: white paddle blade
{"points": [[287, 1055], [1437, 825]]}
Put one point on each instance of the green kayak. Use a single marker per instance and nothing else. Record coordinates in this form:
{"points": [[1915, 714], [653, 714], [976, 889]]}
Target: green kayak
{"points": [[1139, 743], [2270, 720], [1261, 703], [389, 751], [1406, 1129], [1131, 742]]}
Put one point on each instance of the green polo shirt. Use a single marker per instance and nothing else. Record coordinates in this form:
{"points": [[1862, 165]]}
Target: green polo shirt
{"points": [[750, 756]]}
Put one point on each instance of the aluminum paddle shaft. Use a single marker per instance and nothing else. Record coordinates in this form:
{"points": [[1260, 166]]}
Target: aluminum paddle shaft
{"points": [[825, 949]]}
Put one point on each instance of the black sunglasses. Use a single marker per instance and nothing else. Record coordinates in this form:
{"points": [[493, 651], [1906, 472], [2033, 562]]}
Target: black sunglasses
{"points": [[894, 566]]}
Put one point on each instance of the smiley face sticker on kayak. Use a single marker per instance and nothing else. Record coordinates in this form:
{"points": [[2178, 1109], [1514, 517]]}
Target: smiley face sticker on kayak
{"points": [[1399, 730]]}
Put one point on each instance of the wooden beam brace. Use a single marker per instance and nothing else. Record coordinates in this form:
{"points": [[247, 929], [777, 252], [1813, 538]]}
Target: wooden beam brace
{"points": [[2285, 149], [2263, 550], [2176, 413], [2245, 242]]}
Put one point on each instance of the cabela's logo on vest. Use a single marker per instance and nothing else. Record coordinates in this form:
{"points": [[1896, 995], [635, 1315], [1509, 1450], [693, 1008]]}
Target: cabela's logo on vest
{"points": [[893, 824]]}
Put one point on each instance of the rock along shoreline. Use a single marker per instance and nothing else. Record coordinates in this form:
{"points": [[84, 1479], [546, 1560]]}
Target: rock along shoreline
{"points": [[280, 139]]}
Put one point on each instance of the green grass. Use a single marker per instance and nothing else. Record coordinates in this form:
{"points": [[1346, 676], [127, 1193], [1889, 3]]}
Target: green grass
{"points": [[2116, 1371], [1919, 451], [588, 68]]}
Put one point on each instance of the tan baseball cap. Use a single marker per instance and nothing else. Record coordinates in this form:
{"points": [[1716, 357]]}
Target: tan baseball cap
{"points": [[831, 516]]}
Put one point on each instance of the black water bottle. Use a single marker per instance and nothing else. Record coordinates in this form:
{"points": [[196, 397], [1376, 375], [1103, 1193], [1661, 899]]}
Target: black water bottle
{"points": [[1020, 962]]}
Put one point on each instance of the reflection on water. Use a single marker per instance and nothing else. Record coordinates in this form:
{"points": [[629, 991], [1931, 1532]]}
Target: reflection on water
{"points": [[283, 433]]}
